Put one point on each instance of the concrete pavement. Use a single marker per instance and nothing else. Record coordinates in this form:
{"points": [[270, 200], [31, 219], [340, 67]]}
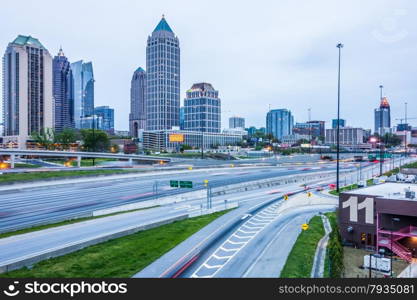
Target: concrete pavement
{"points": [[320, 255]]}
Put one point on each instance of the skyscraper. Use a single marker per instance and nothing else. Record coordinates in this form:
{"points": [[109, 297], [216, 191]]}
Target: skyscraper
{"points": [[383, 117], [279, 122], [27, 89], [63, 92], [237, 122], [83, 90], [107, 114], [202, 108], [137, 116], [162, 78]]}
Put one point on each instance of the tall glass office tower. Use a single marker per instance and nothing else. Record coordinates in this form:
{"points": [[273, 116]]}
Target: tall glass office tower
{"points": [[162, 78], [63, 91], [383, 117], [279, 122], [83, 91], [137, 116]]}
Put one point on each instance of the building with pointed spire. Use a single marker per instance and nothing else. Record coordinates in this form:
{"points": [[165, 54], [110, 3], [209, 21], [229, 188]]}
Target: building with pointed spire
{"points": [[162, 78], [63, 92], [383, 117], [27, 90], [137, 116]]}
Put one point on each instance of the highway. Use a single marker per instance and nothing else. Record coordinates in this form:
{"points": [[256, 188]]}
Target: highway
{"points": [[30, 206]]}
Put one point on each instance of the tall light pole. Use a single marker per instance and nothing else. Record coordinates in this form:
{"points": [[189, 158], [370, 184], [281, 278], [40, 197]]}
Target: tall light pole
{"points": [[339, 46], [405, 130]]}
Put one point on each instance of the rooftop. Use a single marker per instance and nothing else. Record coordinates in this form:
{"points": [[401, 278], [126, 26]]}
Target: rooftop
{"points": [[388, 190], [23, 40], [384, 103], [163, 25]]}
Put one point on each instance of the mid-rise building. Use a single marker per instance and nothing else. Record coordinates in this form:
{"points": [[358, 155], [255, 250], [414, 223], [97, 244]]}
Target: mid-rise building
{"points": [[279, 122], [182, 118], [137, 116], [311, 130], [27, 90], [63, 93], [107, 114], [162, 78], [236, 122], [83, 90], [202, 108], [292, 139], [348, 136], [92, 121], [383, 117]]}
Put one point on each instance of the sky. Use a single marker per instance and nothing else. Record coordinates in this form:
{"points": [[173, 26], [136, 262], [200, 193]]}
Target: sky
{"points": [[258, 54]]}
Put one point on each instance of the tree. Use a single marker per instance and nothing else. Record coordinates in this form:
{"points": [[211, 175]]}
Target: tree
{"points": [[45, 138], [66, 138], [391, 140], [95, 140], [185, 147]]}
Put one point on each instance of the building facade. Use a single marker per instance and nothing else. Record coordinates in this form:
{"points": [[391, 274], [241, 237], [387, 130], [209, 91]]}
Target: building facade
{"points": [[107, 114], [279, 122], [202, 108], [137, 116], [92, 121], [348, 136], [63, 93], [162, 78], [83, 90], [27, 90], [311, 130], [342, 123], [172, 140], [380, 216], [236, 122], [383, 117]]}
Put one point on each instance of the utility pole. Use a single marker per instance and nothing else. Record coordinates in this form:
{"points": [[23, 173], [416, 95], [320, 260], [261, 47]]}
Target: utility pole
{"points": [[339, 46], [309, 127], [405, 130]]}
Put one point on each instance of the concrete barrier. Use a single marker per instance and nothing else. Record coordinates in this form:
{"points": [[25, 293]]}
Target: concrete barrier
{"points": [[71, 247]]}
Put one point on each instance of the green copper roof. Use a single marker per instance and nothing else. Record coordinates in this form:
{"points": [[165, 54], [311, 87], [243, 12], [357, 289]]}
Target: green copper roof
{"points": [[27, 40], [163, 25], [140, 70]]}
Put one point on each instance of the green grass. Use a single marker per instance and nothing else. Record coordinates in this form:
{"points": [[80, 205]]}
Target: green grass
{"points": [[118, 258], [14, 177], [66, 222], [85, 162], [300, 260], [25, 165]]}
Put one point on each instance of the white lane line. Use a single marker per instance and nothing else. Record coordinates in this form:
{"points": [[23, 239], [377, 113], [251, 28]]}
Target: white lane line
{"points": [[236, 243], [242, 237], [244, 231], [220, 257], [258, 223], [228, 250], [251, 227], [212, 267]]}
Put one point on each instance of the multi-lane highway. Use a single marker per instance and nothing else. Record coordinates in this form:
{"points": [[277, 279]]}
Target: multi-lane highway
{"points": [[30, 206]]}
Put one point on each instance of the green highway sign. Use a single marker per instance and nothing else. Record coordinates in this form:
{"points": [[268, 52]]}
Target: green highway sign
{"points": [[186, 184], [173, 183]]}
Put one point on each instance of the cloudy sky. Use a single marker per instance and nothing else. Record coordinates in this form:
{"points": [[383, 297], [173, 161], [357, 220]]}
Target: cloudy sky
{"points": [[278, 53]]}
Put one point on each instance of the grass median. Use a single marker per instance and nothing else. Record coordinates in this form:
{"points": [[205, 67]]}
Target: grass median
{"points": [[118, 258], [32, 176], [300, 260]]}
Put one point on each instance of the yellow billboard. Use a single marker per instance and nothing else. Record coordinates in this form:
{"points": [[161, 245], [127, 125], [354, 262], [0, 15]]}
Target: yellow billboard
{"points": [[176, 138]]}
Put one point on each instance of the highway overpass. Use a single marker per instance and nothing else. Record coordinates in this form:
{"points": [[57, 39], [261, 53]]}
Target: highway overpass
{"points": [[13, 153]]}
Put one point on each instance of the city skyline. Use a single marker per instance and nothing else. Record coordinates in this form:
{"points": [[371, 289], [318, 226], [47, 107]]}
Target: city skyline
{"points": [[306, 57]]}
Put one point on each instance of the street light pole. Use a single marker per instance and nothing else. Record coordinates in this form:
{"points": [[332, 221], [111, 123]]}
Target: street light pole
{"points": [[339, 46]]}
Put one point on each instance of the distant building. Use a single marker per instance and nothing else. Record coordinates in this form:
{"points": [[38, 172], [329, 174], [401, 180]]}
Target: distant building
{"points": [[342, 123], [122, 133], [321, 125], [83, 90], [294, 138], [107, 114], [236, 122], [92, 121], [348, 136], [311, 130], [383, 117], [137, 116], [202, 108], [182, 118], [27, 90], [162, 78], [279, 122], [172, 140], [63, 93]]}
